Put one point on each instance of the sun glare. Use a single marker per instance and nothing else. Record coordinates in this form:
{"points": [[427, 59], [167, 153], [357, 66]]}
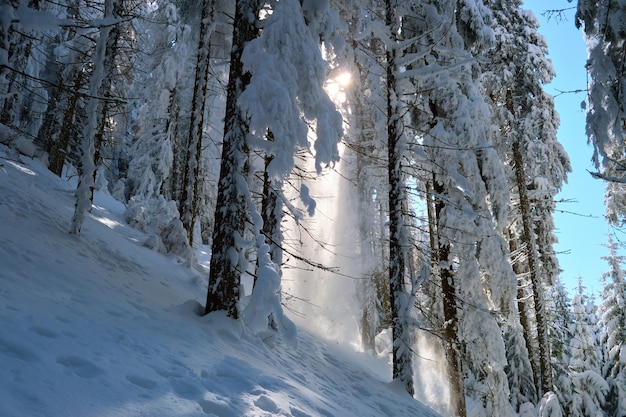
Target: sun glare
{"points": [[344, 79], [336, 86]]}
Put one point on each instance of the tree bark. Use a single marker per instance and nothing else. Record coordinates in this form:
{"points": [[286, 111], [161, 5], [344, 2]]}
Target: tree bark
{"points": [[271, 213], [402, 351], [545, 365], [88, 167], [59, 148], [231, 206], [523, 311], [450, 313], [188, 204]]}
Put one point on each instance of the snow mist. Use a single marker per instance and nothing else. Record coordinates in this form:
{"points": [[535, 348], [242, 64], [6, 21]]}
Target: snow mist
{"points": [[321, 298]]}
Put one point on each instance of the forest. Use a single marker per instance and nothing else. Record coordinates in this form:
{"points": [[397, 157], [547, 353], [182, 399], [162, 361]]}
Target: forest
{"points": [[402, 153]]}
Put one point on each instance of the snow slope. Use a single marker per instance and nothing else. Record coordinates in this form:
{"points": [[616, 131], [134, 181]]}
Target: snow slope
{"points": [[99, 325]]}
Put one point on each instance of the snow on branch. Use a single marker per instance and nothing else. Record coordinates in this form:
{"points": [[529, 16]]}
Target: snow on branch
{"points": [[41, 20], [608, 178], [286, 91]]}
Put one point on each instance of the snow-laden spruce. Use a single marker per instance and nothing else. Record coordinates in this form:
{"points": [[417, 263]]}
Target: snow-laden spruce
{"points": [[275, 88], [589, 387], [286, 91]]}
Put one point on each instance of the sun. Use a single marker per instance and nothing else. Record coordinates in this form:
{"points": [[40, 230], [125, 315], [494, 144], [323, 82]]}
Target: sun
{"points": [[344, 79], [336, 86]]}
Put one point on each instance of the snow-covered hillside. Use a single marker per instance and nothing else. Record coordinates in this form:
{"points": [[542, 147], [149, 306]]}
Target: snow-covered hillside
{"points": [[99, 325]]}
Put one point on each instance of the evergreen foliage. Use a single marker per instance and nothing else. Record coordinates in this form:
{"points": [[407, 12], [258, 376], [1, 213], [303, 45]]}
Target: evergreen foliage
{"points": [[433, 114]]}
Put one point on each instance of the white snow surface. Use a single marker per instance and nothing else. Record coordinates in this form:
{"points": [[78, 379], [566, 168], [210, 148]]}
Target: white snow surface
{"points": [[99, 325]]}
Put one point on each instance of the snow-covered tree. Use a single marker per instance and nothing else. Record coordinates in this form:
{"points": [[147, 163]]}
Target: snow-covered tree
{"points": [[613, 319], [518, 368], [157, 128], [398, 244], [470, 194], [589, 387], [603, 25], [22, 97], [102, 68], [561, 322], [549, 406], [365, 155], [191, 180], [276, 86], [228, 259], [29, 31], [538, 164], [59, 130]]}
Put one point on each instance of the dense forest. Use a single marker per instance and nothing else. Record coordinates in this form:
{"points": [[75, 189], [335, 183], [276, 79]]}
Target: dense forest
{"points": [[405, 147]]}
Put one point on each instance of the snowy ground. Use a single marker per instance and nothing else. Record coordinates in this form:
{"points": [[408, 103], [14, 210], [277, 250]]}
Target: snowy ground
{"points": [[99, 325]]}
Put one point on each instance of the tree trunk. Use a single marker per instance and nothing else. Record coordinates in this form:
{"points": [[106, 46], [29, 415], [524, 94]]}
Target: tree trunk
{"points": [[545, 364], [59, 148], [271, 213], [228, 259], [88, 167], [402, 351], [188, 204], [450, 313], [523, 311]]}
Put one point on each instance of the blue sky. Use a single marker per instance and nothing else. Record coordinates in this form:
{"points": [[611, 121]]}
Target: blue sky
{"points": [[581, 227]]}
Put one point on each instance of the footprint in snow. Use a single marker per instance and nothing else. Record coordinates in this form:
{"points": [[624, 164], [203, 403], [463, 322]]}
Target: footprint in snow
{"points": [[141, 382], [17, 351], [265, 403], [80, 366], [42, 331], [216, 408], [185, 389]]}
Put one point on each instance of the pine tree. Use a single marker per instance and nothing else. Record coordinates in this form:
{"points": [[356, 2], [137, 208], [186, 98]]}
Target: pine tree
{"points": [[589, 387], [363, 159], [561, 322], [539, 165], [518, 369], [613, 311], [228, 259], [402, 361], [84, 191], [21, 98], [470, 194], [190, 186], [275, 86], [603, 22]]}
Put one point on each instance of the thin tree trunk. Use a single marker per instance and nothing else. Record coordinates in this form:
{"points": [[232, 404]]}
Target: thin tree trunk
{"points": [[169, 187], [545, 364], [370, 321], [523, 316], [271, 213], [49, 124], [188, 204], [59, 149]]}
